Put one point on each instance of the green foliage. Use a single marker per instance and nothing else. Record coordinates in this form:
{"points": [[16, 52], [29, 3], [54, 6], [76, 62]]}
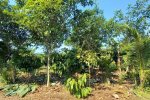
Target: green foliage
{"points": [[135, 36], [66, 63], [142, 92], [88, 56], [77, 86], [4, 52], [105, 59], [146, 78], [106, 64], [27, 60], [86, 30], [21, 90], [3, 82], [137, 16], [49, 23], [137, 51], [6, 74], [122, 77]]}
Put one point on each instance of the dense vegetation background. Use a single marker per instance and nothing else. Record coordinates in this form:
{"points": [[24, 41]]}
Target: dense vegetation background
{"points": [[94, 49]]}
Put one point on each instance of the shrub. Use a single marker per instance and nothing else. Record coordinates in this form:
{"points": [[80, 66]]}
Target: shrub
{"points": [[77, 86], [134, 76], [27, 62], [122, 77], [146, 78], [2, 82], [5, 75]]}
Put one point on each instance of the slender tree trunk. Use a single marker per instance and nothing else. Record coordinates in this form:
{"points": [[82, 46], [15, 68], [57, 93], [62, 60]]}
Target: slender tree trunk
{"points": [[119, 62], [13, 71], [127, 69], [89, 73], [135, 76], [141, 69], [48, 69], [13, 74], [108, 81], [141, 74], [108, 77]]}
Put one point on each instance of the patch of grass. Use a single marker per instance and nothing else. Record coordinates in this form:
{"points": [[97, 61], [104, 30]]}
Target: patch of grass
{"points": [[142, 93]]}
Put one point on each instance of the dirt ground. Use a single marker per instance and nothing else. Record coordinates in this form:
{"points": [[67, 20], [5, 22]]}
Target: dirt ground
{"points": [[58, 92], [113, 92]]}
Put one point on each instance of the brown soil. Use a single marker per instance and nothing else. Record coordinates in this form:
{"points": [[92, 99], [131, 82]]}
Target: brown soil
{"points": [[100, 92], [107, 92]]}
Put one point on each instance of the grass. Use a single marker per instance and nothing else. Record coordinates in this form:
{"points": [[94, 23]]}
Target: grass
{"points": [[142, 93]]}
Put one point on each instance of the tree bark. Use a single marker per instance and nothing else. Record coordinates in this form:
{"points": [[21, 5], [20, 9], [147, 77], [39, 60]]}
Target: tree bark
{"points": [[48, 69], [119, 62]]}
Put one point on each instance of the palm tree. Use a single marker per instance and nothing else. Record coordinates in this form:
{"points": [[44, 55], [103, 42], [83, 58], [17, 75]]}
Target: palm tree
{"points": [[140, 47]]}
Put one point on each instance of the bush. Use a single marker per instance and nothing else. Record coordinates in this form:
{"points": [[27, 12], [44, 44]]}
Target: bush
{"points": [[27, 62], [2, 82], [146, 78], [134, 76], [5, 75], [77, 86], [122, 77]]}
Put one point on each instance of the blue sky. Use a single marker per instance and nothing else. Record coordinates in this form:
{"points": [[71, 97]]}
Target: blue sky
{"points": [[109, 6]]}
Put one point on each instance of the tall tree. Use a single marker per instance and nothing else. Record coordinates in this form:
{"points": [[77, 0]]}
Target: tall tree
{"points": [[12, 36], [48, 21], [87, 35], [137, 16], [134, 32], [140, 49]]}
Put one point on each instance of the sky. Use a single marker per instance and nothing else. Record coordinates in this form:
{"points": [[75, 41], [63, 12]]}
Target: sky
{"points": [[108, 7]]}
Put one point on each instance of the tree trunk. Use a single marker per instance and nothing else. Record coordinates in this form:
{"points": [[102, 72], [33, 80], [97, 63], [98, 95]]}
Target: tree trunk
{"points": [[141, 69], [48, 69], [108, 80], [135, 76], [127, 69], [119, 64], [141, 76], [14, 74], [89, 74]]}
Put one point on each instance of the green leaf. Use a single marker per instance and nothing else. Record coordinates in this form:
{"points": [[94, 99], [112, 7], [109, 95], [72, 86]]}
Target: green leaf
{"points": [[33, 87]]}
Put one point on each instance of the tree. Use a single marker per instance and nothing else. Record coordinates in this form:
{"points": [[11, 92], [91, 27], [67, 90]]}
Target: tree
{"points": [[12, 35], [48, 21], [140, 48], [134, 31], [137, 16], [87, 35]]}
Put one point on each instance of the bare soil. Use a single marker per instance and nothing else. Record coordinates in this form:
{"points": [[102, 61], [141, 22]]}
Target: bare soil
{"points": [[58, 92]]}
